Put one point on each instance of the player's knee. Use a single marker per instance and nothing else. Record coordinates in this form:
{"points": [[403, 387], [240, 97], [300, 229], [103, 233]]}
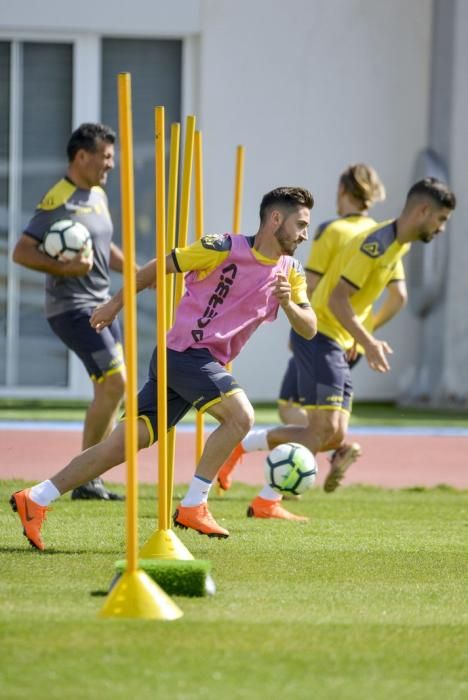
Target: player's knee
{"points": [[236, 412], [246, 419], [114, 386], [242, 420]]}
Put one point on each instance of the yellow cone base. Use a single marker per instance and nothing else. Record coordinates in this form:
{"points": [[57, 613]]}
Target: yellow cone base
{"points": [[164, 544], [136, 595]]}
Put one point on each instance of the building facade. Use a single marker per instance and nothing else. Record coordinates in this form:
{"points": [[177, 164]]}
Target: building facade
{"points": [[307, 88]]}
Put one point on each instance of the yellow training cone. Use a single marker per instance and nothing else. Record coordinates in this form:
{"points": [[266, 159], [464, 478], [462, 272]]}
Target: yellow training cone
{"points": [[164, 544], [136, 595]]}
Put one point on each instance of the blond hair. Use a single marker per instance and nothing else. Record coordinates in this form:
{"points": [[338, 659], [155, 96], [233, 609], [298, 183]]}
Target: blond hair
{"points": [[362, 183]]}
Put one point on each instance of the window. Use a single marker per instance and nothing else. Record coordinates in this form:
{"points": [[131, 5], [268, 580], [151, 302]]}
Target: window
{"points": [[4, 185], [36, 119], [155, 66], [37, 100]]}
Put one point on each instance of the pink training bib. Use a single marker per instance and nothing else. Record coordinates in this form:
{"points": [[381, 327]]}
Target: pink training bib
{"points": [[221, 311]]}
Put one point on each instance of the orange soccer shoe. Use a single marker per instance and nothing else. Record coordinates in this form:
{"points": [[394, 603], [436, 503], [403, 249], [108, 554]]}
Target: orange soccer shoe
{"points": [[263, 508], [31, 515], [340, 461], [200, 519], [225, 473]]}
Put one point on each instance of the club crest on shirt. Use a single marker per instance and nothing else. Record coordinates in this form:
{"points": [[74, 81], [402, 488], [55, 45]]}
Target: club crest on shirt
{"points": [[217, 241], [371, 248]]}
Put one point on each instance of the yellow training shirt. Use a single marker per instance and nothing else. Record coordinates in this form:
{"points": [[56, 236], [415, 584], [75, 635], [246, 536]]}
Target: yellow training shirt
{"points": [[331, 236], [368, 262]]}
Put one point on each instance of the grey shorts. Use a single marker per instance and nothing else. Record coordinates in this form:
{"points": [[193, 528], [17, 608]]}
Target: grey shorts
{"points": [[101, 353]]}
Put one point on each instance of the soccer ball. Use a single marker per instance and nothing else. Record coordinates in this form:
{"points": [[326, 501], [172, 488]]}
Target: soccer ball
{"points": [[65, 239], [291, 468]]}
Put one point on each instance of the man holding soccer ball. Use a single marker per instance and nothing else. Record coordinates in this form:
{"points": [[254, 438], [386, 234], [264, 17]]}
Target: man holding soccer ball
{"points": [[76, 285]]}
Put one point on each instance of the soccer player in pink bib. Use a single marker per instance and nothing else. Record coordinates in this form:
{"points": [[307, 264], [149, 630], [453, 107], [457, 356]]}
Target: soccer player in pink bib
{"points": [[233, 284]]}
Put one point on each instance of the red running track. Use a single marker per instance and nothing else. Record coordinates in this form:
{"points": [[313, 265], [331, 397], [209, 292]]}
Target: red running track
{"points": [[392, 461]]}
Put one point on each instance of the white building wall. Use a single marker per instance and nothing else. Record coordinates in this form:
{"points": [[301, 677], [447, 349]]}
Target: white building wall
{"points": [[456, 323], [161, 18], [307, 87]]}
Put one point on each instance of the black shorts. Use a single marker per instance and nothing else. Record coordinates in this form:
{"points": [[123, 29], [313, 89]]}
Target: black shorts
{"points": [[289, 390], [101, 353], [323, 373], [194, 379]]}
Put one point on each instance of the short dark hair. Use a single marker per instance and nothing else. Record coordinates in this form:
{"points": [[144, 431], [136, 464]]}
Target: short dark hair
{"points": [[87, 137], [433, 189], [286, 197]]}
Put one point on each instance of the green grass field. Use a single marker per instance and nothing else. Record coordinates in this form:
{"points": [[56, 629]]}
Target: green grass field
{"points": [[368, 600]]}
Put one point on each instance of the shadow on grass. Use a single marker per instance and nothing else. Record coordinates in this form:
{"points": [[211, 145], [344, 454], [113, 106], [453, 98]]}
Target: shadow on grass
{"points": [[51, 551], [438, 487]]}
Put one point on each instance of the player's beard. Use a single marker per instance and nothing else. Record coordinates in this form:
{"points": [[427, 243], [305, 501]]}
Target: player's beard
{"points": [[427, 236], [287, 247]]}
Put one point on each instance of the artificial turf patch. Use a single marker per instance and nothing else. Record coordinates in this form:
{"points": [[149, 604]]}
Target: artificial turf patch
{"points": [[189, 578]]}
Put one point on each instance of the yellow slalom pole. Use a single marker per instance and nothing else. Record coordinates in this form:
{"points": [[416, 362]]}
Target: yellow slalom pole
{"points": [[172, 214], [198, 179], [160, 160], [135, 594], [128, 220], [171, 241], [238, 193], [182, 239], [199, 232], [238, 189], [236, 219], [163, 543]]}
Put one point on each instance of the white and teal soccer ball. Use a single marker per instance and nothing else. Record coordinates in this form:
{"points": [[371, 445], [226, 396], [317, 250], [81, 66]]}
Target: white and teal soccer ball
{"points": [[291, 468], [65, 239]]}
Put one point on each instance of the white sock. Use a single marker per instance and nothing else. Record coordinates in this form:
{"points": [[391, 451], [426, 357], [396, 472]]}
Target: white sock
{"points": [[270, 494], [256, 440], [198, 492], [44, 493]]}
